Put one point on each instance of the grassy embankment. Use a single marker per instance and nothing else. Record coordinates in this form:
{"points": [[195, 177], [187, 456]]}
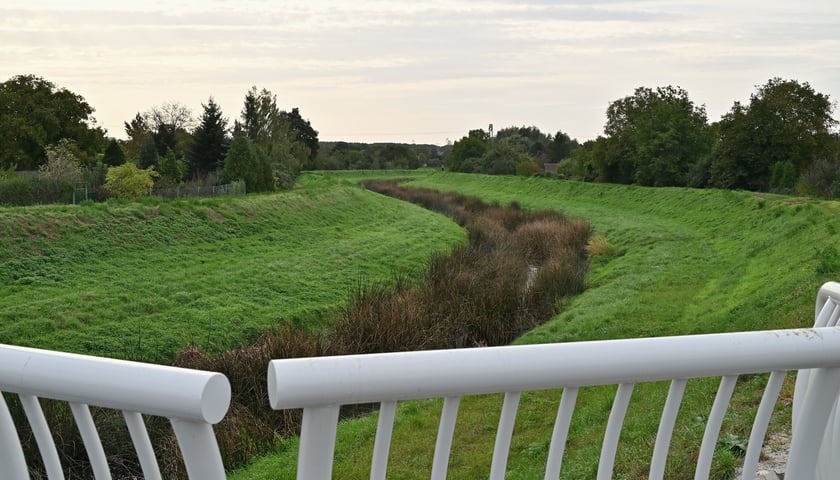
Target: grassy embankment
{"points": [[689, 261], [143, 280]]}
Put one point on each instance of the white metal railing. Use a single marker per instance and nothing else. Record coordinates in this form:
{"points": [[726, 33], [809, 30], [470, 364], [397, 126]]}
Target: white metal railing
{"points": [[193, 400], [823, 449], [321, 385]]}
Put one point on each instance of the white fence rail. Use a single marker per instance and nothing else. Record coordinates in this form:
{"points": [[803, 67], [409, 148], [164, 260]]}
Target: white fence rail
{"points": [[193, 401], [822, 449], [321, 385]]}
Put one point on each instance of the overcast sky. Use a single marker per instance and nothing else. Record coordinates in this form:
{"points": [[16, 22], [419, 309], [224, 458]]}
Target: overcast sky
{"points": [[420, 71]]}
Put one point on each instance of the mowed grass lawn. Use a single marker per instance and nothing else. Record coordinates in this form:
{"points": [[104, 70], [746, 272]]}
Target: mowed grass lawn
{"points": [[689, 261], [143, 280]]}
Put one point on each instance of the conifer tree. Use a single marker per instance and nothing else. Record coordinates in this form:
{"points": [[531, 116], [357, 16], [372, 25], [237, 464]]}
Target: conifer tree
{"points": [[114, 155], [210, 141]]}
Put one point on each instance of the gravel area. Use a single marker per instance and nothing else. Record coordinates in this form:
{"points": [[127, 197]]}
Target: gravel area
{"points": [[771, 465]]}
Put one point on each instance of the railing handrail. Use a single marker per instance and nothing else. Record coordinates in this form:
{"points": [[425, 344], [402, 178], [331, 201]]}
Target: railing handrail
{"points": [[172, 392], [325, 381]]}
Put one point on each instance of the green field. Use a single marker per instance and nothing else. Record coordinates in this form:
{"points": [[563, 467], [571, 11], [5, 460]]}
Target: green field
{"points": [[141, 280], [689, 261]]}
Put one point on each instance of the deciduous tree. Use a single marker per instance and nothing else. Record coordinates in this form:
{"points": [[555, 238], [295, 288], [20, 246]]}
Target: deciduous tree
{"points": [[244, 162], [35, 113], [274, 139], [468, 148], [138, 132], [784, 121], [655, 137], [304, 133]]}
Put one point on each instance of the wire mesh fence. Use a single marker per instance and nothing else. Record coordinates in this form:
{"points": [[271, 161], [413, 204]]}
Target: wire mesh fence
{"points": [[235, 188]]}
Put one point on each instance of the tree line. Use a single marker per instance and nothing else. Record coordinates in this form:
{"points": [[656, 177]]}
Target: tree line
{"points": [[52, 130], [374, 156], [784, 140]]}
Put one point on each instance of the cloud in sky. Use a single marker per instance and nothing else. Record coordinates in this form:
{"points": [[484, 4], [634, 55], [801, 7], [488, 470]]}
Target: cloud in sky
{"points": [[418, 71]]}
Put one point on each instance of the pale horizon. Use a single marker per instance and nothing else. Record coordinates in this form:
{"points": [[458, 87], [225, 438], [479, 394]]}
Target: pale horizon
{"points": [[377, 71]]}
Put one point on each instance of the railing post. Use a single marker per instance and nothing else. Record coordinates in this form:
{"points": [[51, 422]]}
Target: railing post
{"points": [[809, 428]]}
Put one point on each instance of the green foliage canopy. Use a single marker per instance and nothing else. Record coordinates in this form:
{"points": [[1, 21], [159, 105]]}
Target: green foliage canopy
{"points": [[35, 113], [784, 121], [275, 140], [244, 162], [468, 148], [654, 137]]}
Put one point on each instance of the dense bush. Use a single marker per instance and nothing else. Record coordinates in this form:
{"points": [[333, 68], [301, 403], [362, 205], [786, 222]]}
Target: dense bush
{"points": [[128, 181], [18, 190]]}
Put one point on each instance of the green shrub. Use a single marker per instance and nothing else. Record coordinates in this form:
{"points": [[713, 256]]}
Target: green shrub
{"points": [[54, 190], [528, 168], [128, 181], [18, 190]]}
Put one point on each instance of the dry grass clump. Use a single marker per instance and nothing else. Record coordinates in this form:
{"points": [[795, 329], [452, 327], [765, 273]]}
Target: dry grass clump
{"points": [[600, 246]]}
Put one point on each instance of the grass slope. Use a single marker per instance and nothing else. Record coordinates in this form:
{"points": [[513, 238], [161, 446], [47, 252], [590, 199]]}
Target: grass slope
{"points": [[142, 280], [691, 261]]}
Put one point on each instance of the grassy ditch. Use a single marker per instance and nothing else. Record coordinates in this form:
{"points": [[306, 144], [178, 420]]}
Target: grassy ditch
{"points": [[672, 261], [505, 280], [143, 280]]}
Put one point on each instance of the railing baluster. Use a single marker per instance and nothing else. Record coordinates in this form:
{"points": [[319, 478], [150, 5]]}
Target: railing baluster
{"points": [[11, 452], [41, 431], [762, 420], [503, 435], [200, 449], [834, 318], [666, 429], [826, 314], [317, 443], [710, 437], [446, 430], [610, 445], [382, 444], [90, 438], [560, 433], [142, 445]]}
